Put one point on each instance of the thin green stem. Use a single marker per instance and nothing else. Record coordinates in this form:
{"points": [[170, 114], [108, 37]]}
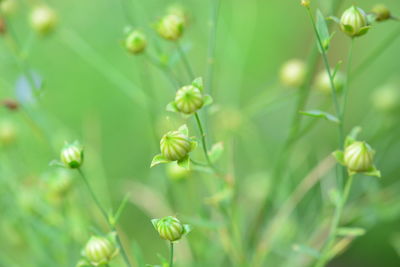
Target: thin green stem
{"points": [[171, 255], [203, 140], [324, 258], [346, 86], [185, 61], [106, 217], [175, 83]]}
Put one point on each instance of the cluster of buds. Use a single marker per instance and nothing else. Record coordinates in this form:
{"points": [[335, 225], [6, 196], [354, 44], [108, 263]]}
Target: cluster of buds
{"points": [[72, 155], [170, 228], [190, 98], [136, 42], [354, 22], [293, 73], [43, 19], [322, 82], [99, 250], [170, 27], [357, 157], [175, 146]]}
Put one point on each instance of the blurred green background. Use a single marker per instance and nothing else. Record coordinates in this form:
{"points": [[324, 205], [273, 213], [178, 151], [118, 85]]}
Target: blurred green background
{"points": [[114, 104]]}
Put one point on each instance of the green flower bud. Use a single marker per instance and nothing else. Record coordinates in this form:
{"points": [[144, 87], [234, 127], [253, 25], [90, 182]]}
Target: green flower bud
{"points": [[8, 132], [8, 7], [293, 73], [386, 98], [175, 145], [358, 157], [136, 42], [100, 250], [170, 228], [354, 22], [323, 83], [381, 12], [189, 99], [176, 172], [171, 27], [43, 19], [72, 155]]}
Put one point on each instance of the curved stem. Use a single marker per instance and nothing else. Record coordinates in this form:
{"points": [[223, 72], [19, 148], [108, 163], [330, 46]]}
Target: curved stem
{"points": [[324, 258], [171, 255], [185, 61], [104, 213]]}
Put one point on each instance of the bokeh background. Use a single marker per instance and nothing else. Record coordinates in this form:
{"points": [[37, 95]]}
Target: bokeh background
{"points": [[94, 91]]}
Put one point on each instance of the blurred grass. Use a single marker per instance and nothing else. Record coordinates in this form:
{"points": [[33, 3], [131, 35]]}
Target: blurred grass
{"points": [[254, 39]]}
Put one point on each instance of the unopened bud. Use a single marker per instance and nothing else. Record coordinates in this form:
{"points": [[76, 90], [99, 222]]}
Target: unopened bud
{"points": [[293, 73], [189, 99], [170, 228], [136, 42], [358, 157], [175, 145], [354, 22], [381, 12], [72, 155], [43, 19], [171, 27], [100, 250]]}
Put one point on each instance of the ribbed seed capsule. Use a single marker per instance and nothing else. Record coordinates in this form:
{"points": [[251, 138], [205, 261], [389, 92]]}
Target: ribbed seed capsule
{"points": [[100, 250], [43, 19], [358, 157], [171, 27], [175, 145], [354, 22], [170, 228], [189, 99], [72, 155]]}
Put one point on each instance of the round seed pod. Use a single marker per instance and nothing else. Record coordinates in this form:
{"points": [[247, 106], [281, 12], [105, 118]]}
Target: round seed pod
{"points": [[381, 12], [100, 250], [136, 42], [358, 157], [43, 19], [72, 155], [175, 145], [171, 27], [170, 228], [354, 22], [189, 99]]}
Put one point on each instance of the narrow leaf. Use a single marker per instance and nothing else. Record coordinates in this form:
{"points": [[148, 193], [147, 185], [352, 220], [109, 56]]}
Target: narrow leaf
{"points": [[323, 31], [306, 250], [158, 159], [350, 231], [320, 114]]}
